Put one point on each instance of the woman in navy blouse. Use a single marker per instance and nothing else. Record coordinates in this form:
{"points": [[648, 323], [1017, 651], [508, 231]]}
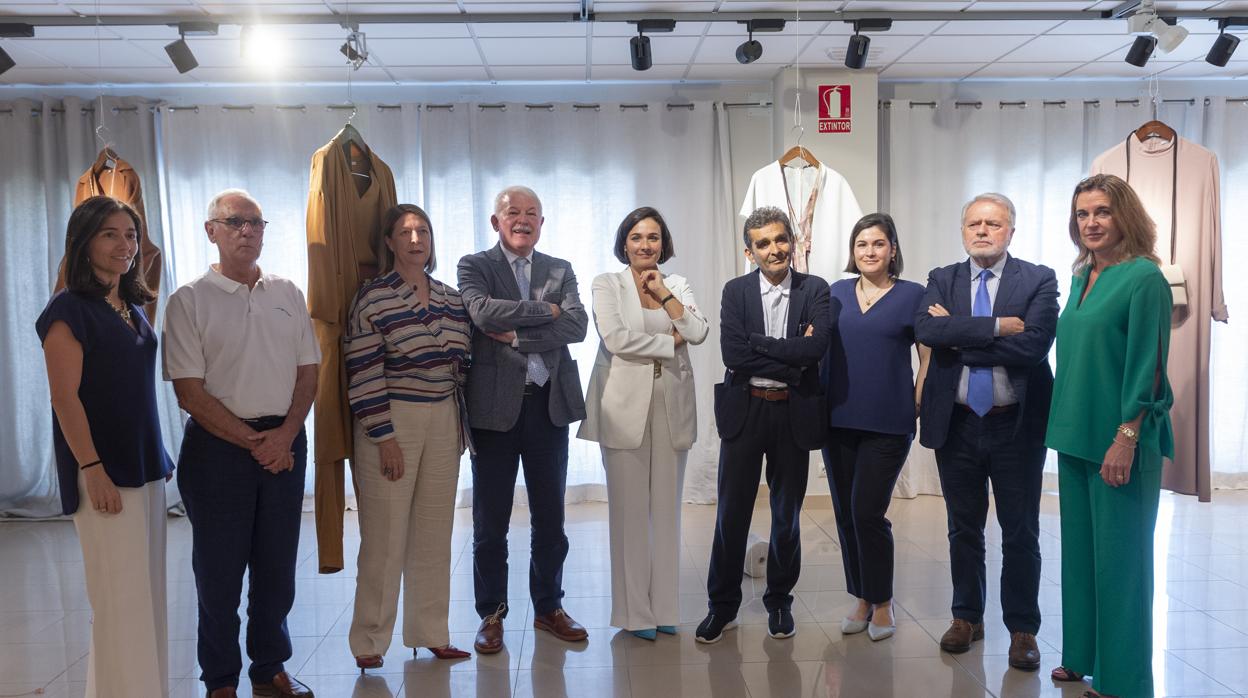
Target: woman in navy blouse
{"points": [[872, 396], [101, 359]]}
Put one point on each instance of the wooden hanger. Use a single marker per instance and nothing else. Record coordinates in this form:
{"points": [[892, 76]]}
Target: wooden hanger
{"points": [[798, 152], [1155, 129]]}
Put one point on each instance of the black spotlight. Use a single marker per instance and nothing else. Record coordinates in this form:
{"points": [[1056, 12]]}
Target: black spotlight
{"points": [[749, 51], [6, 61], [1223, 47], [639, 48], [856, 53], [180, 53], [1141, 50]]}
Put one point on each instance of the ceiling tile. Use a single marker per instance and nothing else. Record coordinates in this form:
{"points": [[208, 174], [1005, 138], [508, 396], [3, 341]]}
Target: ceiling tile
{"points": [[954, 49], [458, 73], [626, 29], [784, 6], [211, 53], [433, 30], [992, 28], [723, 49], [1066, 48], [168, 8], [1103, 27], [885, 48], [864, 5], [1119, 69], [26, 54], [630, 6], [113, 53], [733, 71], [293, 75], [1002, 71], [538, 73], [1029, 6], [130, 76], [423, 52], [625, 72], [264, 11], [929, 71], [1201, 69], [509, 30], [381, 8], [527, 51], [666, 50], [43, 76], [29, 9], [495, 7], [899, 29]]}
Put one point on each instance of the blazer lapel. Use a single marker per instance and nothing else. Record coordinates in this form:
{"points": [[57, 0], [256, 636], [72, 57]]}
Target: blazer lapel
{"points": [[630, 302], [1007, 284], [754, 306], [961, 290], [797, 305], [506, 274], [537, 276]]}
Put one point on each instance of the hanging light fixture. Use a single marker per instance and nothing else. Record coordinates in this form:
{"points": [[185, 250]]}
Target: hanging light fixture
{"points": [[859, 48], [1224, 46], [751, 50], [1153, 32], [639, 46]]}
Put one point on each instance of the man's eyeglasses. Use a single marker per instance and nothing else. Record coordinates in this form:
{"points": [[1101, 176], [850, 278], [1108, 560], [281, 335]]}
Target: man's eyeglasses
{"points": [[237, 224]]}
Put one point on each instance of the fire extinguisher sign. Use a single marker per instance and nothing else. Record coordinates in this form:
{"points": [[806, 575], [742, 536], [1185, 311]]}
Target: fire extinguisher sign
{"points": [[834, 115]]}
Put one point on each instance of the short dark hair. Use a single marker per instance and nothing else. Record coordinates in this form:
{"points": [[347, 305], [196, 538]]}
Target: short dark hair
{"points": [[884, 222], [630, 221], [763, 217], [391, 219], [84, 224]]}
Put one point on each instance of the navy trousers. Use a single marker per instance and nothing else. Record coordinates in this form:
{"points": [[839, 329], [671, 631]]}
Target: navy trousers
{"points": [[979, 449], [766, 434], [542, 448], [243, 519]]}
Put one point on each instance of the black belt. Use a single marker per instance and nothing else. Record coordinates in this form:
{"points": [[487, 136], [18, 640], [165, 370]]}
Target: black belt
{"points": [[535, 389], [999, 409], [266, 423]]}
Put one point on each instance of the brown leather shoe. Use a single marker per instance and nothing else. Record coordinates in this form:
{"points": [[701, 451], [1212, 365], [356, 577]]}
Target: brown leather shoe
{"points": [[224, 692], [1024, 654], [958, 638], [283, 686], [490, 634], [561, 625]]}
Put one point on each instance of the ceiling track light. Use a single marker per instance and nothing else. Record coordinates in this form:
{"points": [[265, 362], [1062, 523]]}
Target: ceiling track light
{"points": [[1141, 50], [6, 61], [355, 49], [751, 50], [859, 48], [180, 52], [639, 46], [1165, 30], [1224, 46]]}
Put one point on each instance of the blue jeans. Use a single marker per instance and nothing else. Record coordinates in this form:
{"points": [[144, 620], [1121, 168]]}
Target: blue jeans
{"points": [[243, 519]]}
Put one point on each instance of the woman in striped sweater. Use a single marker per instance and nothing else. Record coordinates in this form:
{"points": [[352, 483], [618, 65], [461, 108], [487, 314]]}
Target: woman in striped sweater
{"points": [[407, 350]]}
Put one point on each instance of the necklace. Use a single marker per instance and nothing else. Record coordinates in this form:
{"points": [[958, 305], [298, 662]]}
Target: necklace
{"points": [[121, 310], [863, 290]]}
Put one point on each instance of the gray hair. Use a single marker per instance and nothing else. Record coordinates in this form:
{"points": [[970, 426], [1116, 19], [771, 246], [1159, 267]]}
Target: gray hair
{"points": [[505, 195], [214, 206], [763, 217], [999, 199]]}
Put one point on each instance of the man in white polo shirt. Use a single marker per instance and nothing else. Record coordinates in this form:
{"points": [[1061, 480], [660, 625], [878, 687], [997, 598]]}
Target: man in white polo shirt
{"points": [[239, 348]]}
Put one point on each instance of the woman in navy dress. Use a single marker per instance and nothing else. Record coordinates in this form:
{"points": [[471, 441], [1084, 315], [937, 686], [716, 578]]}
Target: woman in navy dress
{"points": [[101, 359], [872, 399]]}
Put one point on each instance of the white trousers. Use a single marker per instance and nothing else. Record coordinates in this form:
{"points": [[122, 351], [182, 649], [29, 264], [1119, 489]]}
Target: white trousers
{"points": [[644, 488], [405, 529], [124, 557]]}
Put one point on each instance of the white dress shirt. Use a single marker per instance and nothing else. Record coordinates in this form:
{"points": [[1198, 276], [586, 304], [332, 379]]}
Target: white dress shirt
{"points": [[1002, 391], [775, 316]]}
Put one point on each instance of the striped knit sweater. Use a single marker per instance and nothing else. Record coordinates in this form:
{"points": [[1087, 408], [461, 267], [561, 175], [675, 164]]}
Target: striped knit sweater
{"points": [[397, 351]]}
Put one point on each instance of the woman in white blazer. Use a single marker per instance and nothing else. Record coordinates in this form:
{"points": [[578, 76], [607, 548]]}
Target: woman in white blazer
{"points": [[640, 409]]}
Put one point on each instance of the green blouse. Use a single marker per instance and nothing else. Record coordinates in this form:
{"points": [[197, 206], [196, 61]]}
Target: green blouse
{"points": [[1109, 346]]}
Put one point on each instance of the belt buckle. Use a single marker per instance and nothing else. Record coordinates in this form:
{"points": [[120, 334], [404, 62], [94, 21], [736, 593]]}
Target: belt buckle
{"points": [[658, 369]]}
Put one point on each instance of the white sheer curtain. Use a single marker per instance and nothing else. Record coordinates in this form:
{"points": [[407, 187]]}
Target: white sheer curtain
{"points": [[941, 155], [46, 146]]}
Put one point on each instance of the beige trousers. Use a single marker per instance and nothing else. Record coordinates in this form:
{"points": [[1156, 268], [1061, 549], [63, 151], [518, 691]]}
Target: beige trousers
{"points": [[405, 529], [643, 495], [124, 558]]}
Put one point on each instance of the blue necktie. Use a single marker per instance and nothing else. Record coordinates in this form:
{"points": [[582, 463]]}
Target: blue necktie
{"points": [[537, 372], [979, 383]]}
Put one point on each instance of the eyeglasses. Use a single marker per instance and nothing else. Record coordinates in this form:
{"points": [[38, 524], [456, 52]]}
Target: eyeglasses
{"points": [[237, 224]]}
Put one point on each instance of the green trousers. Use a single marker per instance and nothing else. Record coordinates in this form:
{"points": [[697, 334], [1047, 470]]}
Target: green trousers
{"points": [[1107, 573]]}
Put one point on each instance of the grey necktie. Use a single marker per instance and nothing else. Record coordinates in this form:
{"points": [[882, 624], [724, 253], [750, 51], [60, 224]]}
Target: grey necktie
{"points": [[537, 372]]}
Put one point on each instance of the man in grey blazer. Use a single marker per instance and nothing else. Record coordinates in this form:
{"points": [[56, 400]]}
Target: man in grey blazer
{"points": [[523, 392]]}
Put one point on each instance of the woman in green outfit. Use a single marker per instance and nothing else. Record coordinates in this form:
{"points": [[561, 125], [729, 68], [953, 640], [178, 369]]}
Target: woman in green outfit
{"points": [[1110, 424]]}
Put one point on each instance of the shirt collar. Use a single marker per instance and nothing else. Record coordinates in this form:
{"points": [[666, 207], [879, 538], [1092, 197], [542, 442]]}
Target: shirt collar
{"points": [[225, 283], [765, 287], [512, 256], [996, 269]]}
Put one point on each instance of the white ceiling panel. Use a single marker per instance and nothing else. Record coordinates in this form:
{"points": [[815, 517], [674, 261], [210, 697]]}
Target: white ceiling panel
{"points": [[626, 29], [378, 8], [43, 76], [455, 73], [131, 76], [863, 6], [956, 49], [1200, 26], [885, 48], [285, 75], [156, 32], [538, 73], [168, 8], [35, 10], [1104, 27], [87, 33], [425, 52], [264, 11], [1008, 71], [992, 28], [433, 30], [899, 29], [626, 72], [929, 71], [114, 53], [665, 50], [530, 51], [733, 71], [608, 6], [723, 49], [26, 54], [806, 6], [531, 7], [1029, 6], [1120, 69], [1201, 69], [511, 30], [1067, 48]]}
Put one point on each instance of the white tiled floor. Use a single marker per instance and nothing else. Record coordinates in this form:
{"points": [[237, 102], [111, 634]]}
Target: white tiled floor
{"points": [[1201, 618]]}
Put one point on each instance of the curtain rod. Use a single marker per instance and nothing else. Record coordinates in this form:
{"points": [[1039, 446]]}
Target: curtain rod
{"points": [[1022, 104]]}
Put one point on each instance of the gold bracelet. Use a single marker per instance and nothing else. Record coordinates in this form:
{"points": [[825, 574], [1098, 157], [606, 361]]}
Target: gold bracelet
{"points": [[1128, 432]]}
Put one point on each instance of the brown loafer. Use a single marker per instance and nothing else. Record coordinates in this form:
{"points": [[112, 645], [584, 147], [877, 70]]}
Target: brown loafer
{"points": [[490, 634], [958, 638], [224, 692], [561, 625], [283, 685], [1024, 654]]}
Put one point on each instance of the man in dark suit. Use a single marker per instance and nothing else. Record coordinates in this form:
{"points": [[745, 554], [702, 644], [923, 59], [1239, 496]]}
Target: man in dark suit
{"points": [[523, 391], [990, 322], [774, 329]]}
